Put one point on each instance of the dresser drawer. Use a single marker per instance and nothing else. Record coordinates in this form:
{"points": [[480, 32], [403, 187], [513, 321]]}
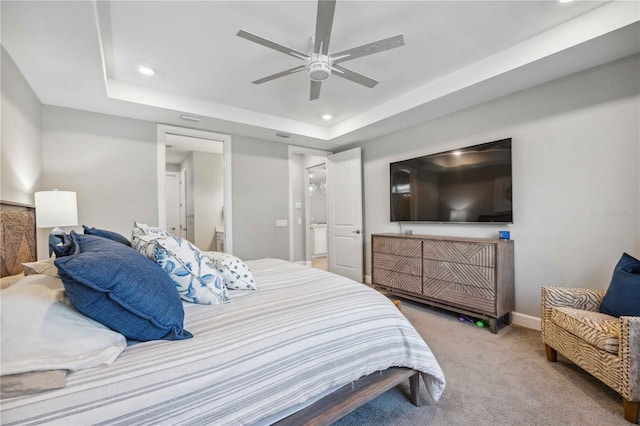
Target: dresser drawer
{"points": [[397, 246], [478, 276], [460, 252], [391, 262], [477, 299], [397, 280]]}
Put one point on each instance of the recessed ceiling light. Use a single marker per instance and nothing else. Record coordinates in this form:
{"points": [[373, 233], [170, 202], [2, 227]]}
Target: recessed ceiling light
{"points": [[565, 1], [327, 117], [142, 69]]}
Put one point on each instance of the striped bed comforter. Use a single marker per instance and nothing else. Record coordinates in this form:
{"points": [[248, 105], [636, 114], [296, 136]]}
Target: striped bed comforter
{"points": [[304, 332]]}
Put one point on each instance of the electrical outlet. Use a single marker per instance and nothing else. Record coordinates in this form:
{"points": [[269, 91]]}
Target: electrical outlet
{"points": [[298, 205], [281, 223]]}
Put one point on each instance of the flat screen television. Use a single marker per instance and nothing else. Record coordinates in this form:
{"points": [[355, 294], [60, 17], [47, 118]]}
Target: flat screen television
{"points": [[467, 185]]}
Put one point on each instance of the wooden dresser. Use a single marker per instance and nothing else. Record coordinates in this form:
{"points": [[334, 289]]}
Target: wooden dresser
{"points": [[472, 276]]}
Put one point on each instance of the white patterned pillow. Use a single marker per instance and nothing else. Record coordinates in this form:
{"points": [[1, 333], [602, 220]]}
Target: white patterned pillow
{"points": [[235, 274], [195, 276], [141, 229]]}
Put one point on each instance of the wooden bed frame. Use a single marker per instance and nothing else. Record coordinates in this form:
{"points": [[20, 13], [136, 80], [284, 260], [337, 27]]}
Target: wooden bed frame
{"points": [[346, 399], [18, 236]]}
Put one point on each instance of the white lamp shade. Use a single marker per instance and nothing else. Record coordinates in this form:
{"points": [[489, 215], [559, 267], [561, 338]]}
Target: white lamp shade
{"points": [[56, 208]]}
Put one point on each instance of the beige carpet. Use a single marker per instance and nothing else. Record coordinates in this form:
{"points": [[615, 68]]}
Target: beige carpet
{"points": [[501, 379]]}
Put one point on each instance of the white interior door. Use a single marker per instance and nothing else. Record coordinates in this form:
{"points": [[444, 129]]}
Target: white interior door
{"points": [[172, 198], [344, 213]]}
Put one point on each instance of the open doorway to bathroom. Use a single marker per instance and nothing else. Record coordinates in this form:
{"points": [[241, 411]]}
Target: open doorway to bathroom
{"points": [[316, 196], [302, 240], [194, 190], [196, 164]]}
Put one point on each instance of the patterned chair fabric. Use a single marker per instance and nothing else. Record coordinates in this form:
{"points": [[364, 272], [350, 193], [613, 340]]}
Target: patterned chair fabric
{"points": [[604, 346], [601, 330]]}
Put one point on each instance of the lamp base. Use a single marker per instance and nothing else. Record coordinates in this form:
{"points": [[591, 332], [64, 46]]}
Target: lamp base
{"points": [[56, 238]]}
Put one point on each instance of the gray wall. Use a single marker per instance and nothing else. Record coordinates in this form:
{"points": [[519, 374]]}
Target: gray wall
{"points": [[576, 179], [187, 165], [109, 161], [21, 136], [208, 198], [576, 152], [260, 197], [297, 181]]}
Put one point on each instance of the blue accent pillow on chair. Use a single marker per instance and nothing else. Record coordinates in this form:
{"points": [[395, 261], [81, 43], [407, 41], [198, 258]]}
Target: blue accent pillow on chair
{"points": [[106, 234], [623, 295], [122, 289]]}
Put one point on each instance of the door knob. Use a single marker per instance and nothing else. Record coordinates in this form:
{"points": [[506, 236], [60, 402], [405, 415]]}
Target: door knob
{"points": [[357, 231]]}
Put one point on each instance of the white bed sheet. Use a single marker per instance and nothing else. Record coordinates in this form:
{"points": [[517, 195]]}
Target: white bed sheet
{"points": [[304, 332]]}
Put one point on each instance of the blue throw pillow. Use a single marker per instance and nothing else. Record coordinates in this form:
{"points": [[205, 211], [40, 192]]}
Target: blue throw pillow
{"points": [[106, 234], [623, 295], [122, 289]]}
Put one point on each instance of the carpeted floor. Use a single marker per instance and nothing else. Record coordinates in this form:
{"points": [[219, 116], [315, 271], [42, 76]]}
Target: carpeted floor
{"points": [[501, 379]]}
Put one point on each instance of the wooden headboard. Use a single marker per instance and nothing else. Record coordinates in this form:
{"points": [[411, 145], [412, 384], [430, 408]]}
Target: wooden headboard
{"points": [[18, 237]]}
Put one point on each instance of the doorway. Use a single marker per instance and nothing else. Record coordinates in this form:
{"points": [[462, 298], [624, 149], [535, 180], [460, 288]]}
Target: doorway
{"points": [[316, 220], [202, 162], [343, 209], [299, 217]]}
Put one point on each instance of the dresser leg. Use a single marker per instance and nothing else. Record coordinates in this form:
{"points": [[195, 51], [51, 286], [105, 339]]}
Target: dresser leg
{"points": [[506, 319], [493, 325]]}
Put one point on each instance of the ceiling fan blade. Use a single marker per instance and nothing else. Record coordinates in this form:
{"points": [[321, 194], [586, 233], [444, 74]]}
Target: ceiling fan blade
{"points": [[272, 45], [324, 22], [353, 76], [315, 90], [279, 74], [368, 49]]}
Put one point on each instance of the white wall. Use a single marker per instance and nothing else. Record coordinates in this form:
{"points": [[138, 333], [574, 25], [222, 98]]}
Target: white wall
{"points": [[576, 179], [109, 161], [20, 137]]}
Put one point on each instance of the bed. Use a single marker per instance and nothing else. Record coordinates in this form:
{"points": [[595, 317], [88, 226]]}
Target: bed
{"points": [[307, 346]]}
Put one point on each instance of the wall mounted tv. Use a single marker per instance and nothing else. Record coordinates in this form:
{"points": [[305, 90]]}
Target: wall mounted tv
{"points": [[467, 185]]}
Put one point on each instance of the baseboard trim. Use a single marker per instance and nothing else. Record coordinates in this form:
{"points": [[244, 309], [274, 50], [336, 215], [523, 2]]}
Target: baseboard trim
{"points": [[526, 321], [367, 279]]}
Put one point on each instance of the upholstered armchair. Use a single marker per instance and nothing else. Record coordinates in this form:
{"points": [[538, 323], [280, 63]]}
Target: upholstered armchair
{"points": [[605, 346]]}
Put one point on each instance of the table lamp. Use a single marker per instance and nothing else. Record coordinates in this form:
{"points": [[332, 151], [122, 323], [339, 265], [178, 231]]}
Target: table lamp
{"points": [[54, 209]]}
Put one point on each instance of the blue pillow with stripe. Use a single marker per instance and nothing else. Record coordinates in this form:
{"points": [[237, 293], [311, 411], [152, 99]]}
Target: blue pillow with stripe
{"points": [[122, 289], [623, 295]]}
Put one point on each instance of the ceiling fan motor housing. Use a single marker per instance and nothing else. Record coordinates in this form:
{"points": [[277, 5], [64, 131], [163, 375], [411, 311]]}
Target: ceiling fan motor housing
{"points": [[318, 67]]}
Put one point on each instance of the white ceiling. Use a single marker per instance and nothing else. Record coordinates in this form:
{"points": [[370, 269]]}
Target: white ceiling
{"points": [[457, 54]]}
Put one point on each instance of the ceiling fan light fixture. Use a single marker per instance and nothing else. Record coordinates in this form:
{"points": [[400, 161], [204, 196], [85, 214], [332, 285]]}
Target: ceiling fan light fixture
{"points": [[318, 67]]}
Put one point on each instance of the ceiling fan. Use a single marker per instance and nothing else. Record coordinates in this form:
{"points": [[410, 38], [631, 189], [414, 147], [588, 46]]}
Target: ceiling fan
{"points": [[320, 65]]}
